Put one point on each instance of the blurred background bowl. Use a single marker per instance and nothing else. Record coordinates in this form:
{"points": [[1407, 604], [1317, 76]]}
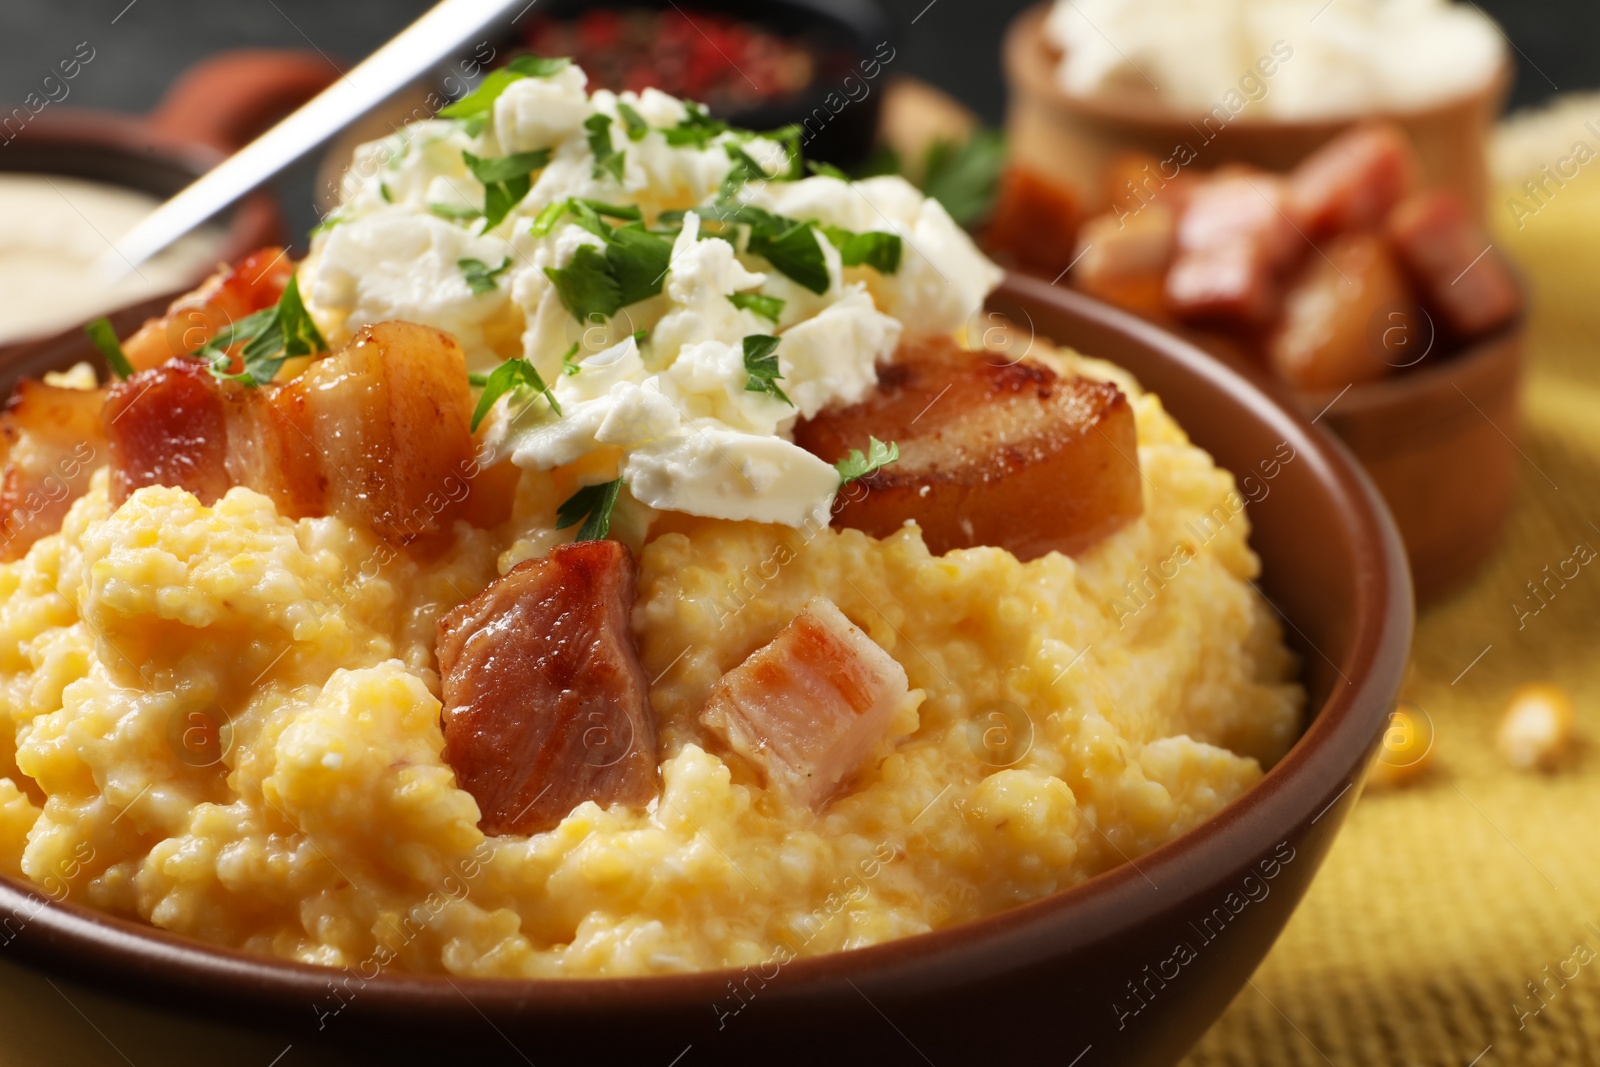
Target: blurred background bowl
{"points": [[1074, 138]]}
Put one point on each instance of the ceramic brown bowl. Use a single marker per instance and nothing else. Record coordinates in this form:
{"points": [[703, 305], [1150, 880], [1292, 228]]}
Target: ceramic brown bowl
{"points": [[1074, 138], [1092, 975]]}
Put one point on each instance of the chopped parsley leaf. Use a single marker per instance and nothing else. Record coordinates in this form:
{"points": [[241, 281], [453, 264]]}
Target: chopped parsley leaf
{"points": [[506, 180], [639, 261], [455, 212], [592, 505], [856, 465], [383, 190], [875, 249], [794, 251], [636, 126], [698, 128], [269, 337], [104, 336], [479, 104], [481, 278], [607, 160], [512, 374], [567, 366], [827, 170], [761, 362], [768, 307], [641, 336], [965, 178], [585, 285]]}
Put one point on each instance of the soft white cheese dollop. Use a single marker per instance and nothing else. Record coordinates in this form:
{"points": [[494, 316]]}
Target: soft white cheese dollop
{"points": [[1343, 58], [658, 393]]}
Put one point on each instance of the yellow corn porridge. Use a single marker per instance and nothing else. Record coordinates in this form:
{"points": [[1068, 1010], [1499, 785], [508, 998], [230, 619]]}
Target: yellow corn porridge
{"points": [[1065, 715]]}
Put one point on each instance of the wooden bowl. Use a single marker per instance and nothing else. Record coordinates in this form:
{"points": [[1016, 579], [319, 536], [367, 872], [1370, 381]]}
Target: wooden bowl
{"points": [[213, 109], [1048, 981], [1074, 138]]}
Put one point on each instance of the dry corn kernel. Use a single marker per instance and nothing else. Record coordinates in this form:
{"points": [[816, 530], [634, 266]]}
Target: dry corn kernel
{"points": [[1536, 731], [1406, 752]]}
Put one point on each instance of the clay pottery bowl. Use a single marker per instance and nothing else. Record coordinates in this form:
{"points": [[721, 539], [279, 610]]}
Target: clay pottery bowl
{"points": [[1074, 138], [1090, 975], [210, 111]]}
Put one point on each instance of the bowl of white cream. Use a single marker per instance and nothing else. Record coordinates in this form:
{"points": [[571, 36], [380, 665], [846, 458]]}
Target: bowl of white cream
{"points": [[1203, 83], [73, 181]]}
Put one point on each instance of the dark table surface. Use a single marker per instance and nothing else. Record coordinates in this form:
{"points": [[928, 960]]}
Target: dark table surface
{"points": [[139, 47]]}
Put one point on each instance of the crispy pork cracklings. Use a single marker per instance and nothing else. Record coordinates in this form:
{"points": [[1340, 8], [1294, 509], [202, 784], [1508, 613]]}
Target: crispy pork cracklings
{"points": [[545, 704], [809, 706], [992, 452], [50, 443], [377, 433]]}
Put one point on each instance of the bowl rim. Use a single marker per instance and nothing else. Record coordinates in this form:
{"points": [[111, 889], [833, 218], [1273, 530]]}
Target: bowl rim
{"points": [[1321, 770], [1029, 58]]}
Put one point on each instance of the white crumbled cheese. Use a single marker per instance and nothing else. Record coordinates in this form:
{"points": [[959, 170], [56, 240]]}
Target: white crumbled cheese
{"points": [[811, 352], [536, 113], [943, 278], [732, 475], [657, 393], [398, 265], [1292, 59]]}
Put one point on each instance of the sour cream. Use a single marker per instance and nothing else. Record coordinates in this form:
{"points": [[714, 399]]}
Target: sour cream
{"points": [[1290, 59], [53, 228]]}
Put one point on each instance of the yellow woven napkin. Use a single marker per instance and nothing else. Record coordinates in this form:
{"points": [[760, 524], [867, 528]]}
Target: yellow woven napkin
{"points": [[1442, 901]]}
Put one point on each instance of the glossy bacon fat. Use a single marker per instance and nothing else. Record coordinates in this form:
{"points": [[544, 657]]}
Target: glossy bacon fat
{"points": [[992, 452], [377, 434], [50, 443], [807, 708], [254, 283], [545, 703]]}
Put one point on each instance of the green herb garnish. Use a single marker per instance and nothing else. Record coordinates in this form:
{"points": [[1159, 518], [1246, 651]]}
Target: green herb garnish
{"points": [[592, 505], [630, 269], [481, 278], [567, 366], [827, 170], [607, 160], [479, 104], [269, 337], [104, 336], [768, 307], [512, 374], [585, 285], [761, 362], [856, 465], [965, 178], [455, 212], [506, 180], [875, 249], [698, 128], [635, 124], [794, 251]]}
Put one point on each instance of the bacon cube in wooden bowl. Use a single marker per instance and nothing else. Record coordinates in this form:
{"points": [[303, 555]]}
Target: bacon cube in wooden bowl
{"points": [[1377, 306]]}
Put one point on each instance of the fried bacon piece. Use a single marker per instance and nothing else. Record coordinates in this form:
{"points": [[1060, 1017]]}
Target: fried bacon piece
{"points": [[999, 453], [1329, 338], [1464, 279], [50, 443], [545, 703], [256, 282], [1123, 259], [1353, 181], [377, 434], [1033, 222], [1234, 238], [808, 707]]}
